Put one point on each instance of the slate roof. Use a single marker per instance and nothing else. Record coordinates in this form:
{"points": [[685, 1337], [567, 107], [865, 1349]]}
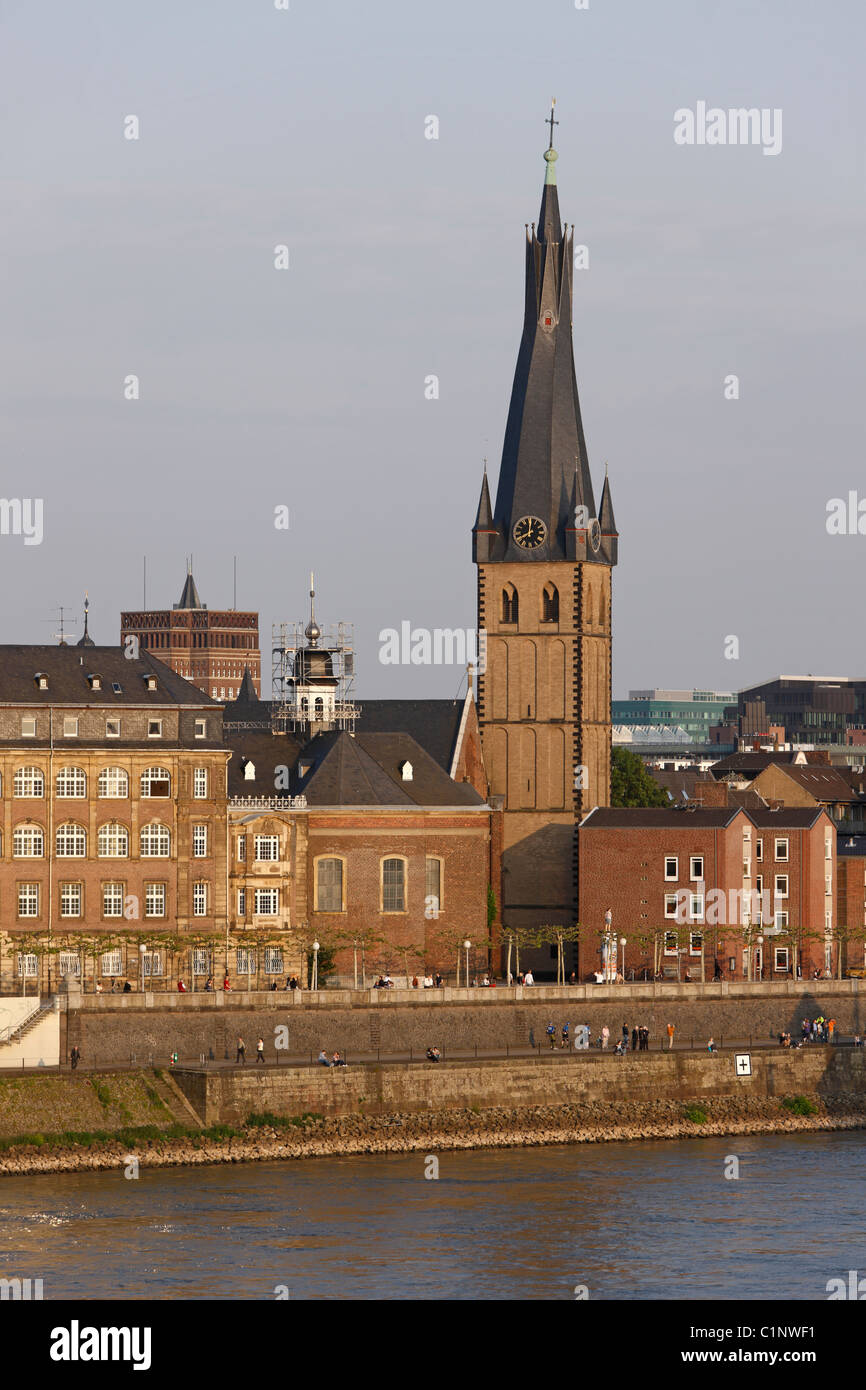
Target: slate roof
{"points": [[658, 817], [850, 846], [364, 770], [432, 723], [749, 762], [67, 669], [787, 817], [824, 783]]}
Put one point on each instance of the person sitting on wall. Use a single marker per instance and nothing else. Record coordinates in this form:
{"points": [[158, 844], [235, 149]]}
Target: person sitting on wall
{"points": [[209, 985], [293, 982], [428, 981], [414, 981], [324, 1058], [711, 1046], [227, 984], [437, 981], [434, 1055], [127, 987], [338, 1061], [181, 987]]}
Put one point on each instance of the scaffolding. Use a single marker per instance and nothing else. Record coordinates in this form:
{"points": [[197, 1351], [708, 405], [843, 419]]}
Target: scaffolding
{"points": [[291, 650]]}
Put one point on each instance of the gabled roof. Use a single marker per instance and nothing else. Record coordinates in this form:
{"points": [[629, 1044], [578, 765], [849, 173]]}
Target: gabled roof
{"points": [[68, 668], [365, 770], [659, 817], [787, 817], [435, 724]]}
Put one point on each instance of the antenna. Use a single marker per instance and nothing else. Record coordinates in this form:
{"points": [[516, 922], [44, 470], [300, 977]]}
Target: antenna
{"points": [[144, 581], [235, 588]]}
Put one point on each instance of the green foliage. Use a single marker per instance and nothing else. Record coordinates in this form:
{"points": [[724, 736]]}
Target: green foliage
{"points": [[264, 1119], [491, 906], [103, 1095], [327, 966], [696, 1114], [800, 1105], [631, 784]]}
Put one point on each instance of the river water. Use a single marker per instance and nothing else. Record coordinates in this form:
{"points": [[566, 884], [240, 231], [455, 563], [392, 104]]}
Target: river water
{"points": [[627, 1221]]}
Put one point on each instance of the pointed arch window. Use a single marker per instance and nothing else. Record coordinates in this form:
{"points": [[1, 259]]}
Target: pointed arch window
{"points": [[510, 604], [550, 603]]}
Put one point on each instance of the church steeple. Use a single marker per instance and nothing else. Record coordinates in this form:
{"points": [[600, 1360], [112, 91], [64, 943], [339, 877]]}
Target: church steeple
{"points": [[545, 466]]}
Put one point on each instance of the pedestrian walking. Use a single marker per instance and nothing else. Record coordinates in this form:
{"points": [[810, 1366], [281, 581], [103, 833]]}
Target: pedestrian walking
{"points": [[564, 1042], [242, 1052], [605, 1036], [831, 1030], [551, 1035], [625, 1036], [671, 1028], [74, 1057], [260, 1051], [634, 1039], [532, 1039]]}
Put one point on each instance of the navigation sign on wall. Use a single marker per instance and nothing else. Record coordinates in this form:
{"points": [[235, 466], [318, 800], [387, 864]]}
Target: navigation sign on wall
{"points": [[743, 1064]]}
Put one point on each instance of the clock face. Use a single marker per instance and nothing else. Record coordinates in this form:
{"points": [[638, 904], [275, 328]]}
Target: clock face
{"points": [[530, 532], [595, 535]]}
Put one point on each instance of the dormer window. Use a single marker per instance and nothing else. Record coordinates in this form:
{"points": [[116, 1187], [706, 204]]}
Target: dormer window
{"points": [[95, 682], [406, 770], [249, 771], [41, 680], [150, 682]]}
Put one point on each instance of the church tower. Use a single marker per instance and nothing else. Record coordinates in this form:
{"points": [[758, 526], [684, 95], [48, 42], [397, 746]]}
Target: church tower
{"points": [[544, 556]]}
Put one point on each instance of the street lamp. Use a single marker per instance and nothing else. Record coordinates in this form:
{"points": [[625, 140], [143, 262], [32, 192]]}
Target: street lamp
{"points": [[466, 945], [759, 942], [623, 943], [606, 947], [142, 953], [315, 980]]}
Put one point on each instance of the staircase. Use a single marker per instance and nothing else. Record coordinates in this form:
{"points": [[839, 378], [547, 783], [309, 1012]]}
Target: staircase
{"points": [[20, 1030]]}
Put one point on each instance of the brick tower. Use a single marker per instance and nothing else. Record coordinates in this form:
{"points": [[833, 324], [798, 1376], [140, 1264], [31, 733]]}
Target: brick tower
{"points": [[544, 558]]}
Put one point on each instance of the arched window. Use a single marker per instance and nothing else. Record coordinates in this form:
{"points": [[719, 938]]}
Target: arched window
{"points": [[156, 781], [329, 885], [113, 841], [71, 841], [550, 604], [71, 782], [304, 706], [319, 708], [28, 842], [113, 782], [29, 781], [510, 606], [394, 885], [155, 841]]}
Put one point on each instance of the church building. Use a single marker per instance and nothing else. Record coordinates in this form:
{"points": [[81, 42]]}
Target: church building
{"points": [[545, 554]]}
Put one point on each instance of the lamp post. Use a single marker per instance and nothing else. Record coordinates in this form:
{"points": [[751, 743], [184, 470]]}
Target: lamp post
{"points": [[142, 952], [623, 943], [466, 946], [314, 983], [759, 942]]}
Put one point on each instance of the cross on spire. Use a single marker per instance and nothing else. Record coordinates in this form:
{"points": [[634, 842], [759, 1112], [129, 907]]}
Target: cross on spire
{"points": [[551, 122]]}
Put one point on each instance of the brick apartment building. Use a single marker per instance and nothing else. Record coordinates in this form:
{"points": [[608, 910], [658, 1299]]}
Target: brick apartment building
{"points": [[650, 866], [209, 647], [113, 786], [378, 847]]}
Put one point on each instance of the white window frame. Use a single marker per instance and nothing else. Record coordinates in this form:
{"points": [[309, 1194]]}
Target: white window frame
{"points": [[154, 728], [69, 963], [154, 893], [670, 905], [668, 949], [199, 784], [274, 960], [70, 841], [28, 726], [27, 836], [245, 961], [199, 899], [242, 902], [111, 963], [112, 728], [262, 895], [199, 842], [149, 778], [777, 891], [112, 897], [759, 851], [28, 965], [693, 860], [70, 784], [781, 920], [695, 936], [70, 726], [147, 834], [29, 894], [112, 777], [201, 728], [404, 882], [270, 843], [28, 777], [242, 849], [781, 951], [783, 858], [76, 892], [675, 860], [109, 838], [202, 961]]}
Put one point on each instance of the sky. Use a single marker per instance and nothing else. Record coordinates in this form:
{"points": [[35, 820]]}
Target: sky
{"points": [[304, 388]]}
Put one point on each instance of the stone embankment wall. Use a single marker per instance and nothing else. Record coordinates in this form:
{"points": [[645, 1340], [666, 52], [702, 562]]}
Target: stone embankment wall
{"points": [[230, 1095], [111, 1029]]}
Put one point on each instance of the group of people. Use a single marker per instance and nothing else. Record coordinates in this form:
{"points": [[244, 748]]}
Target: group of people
{"points": [[433, 1054], [337, 1060], [242, 1052], [819, 1029]]}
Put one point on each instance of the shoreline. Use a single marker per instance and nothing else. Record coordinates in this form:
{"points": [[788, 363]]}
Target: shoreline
{"points": [[343, 1136]]}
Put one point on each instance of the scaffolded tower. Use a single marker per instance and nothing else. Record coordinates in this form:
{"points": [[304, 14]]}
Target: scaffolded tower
{"points": [[313, 676]]}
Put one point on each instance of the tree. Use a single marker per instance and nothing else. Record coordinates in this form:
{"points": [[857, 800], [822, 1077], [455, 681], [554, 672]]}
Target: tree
{"points": [[555, 935], [631, 783]]}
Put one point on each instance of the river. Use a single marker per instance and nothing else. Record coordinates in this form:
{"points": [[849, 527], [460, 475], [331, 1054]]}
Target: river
{"points": [[624, 1221]]}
